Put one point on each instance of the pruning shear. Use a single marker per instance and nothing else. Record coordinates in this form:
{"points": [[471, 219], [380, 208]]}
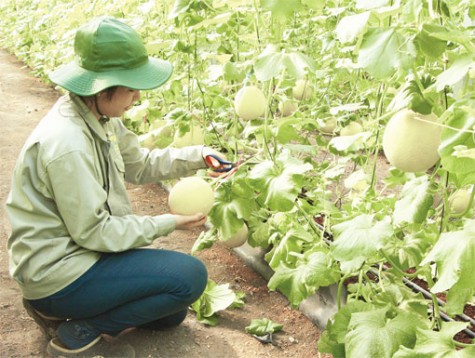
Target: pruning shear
{"points": [[219, 164]]}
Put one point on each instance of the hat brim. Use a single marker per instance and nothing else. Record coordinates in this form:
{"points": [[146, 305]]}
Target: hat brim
{"points": [[75, 79]]}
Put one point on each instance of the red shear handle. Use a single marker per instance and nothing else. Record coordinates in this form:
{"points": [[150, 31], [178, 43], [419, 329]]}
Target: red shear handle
{"points": [[218, 164]]}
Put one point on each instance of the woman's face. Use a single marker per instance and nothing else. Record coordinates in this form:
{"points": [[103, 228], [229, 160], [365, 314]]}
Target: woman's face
{"points": [[122, 99]]}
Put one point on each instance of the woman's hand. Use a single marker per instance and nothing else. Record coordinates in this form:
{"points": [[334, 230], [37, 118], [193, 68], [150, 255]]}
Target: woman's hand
{"points": [[186, 222]]}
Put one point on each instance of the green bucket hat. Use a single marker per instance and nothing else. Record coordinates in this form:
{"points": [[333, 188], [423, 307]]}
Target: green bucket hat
{"points": [[110, 53]]}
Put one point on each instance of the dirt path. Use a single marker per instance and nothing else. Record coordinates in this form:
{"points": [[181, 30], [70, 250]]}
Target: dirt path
{"points": [[24, 101]]}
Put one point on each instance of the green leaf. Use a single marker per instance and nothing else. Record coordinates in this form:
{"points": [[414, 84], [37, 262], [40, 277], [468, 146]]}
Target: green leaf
{"points": [[415, 201], [271, 65], [180, 7], [459, 134], [454, 255], [261, 327], [431, 344], [403, 298], [410, 249], [431, 46], [334, 336], [410, 96], [384, 50], [359, 240], [279, 183], [285, 130], [371, 4], [281, 8], [315, 4], [379, 333], [232, 206], [204, 241], [455, 72], [351, 27], [283, 249], [349, 143], [215, 298], [305, 279]]}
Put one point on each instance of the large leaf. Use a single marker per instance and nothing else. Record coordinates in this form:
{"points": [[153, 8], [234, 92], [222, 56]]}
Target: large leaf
{"points": [[351, 27], [333, 337], [232, 205], [454, 255], [415, 201], [359, 240], [455, 72], [409, 250], [410, 96], [215, 298], [379, 333], [300, 282], [384, 50], [261, 327], [279, 182], [272, 64], [459, 134], [431, 46], [285, 247], [432, 344]]}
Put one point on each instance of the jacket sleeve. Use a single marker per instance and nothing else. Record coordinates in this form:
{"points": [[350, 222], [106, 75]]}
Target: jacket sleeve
{"points": [[81, 202], [150, 166]]}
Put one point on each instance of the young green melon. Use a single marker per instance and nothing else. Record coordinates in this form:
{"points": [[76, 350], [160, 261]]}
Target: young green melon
{"points": [[302, 90], [459, 201], [351, 129], [191, 195], [410, 141], [288, 107], [238, 239], [328, 126], [250, 103]]}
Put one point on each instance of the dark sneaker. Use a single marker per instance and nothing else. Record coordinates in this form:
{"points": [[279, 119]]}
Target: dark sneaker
{"points": [[48, 325], [96, 348], [77, 334]]}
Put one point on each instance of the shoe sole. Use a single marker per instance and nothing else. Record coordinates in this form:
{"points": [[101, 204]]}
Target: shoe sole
{"points": [[47, 326]]}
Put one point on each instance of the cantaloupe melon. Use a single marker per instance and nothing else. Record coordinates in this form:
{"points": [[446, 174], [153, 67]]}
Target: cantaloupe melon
{"points": [[238, 239], [302, 90], [190, 196], [250, 103], [351, 129], [459, 201], [411, 140]]}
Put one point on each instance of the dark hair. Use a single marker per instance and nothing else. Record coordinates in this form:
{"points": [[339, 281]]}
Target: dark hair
{"points": [[109, 92]]}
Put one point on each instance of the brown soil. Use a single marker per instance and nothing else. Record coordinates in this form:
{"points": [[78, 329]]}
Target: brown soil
{"points": [[25, 101]]}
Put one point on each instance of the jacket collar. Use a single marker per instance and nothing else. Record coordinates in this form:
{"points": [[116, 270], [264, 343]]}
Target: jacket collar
{"points": [[92, 122]]}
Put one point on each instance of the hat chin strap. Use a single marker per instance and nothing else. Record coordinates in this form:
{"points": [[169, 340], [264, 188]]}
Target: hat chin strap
{"points": [[103, 118]]}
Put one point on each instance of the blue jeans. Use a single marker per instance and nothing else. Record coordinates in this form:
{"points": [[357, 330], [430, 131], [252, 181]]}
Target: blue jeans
{"points": [[147, 288]]}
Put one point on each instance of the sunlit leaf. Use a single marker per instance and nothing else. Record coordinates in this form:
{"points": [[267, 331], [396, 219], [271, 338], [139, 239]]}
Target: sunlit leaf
{"points": [[454, 255], [281, 8], [459, 134], [437, 344], [415, 201], [279, 183], [350, 27], [302, 281], [384, 50], [359, 240], [455, 72], [379, 333], [295, 64]]}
